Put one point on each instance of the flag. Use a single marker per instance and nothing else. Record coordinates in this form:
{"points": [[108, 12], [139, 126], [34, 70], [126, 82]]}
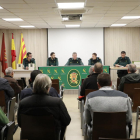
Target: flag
{"points": [[13, 53], [22, 53], [3, 58]]}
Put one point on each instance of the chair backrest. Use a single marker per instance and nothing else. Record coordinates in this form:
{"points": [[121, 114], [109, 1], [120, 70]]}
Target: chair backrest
{"points": [[21, 83], [11, 109], [2, 100], [129, 88], [55, 81], [10, 130], [82, 81], [87, 91], [38, 127], [14, 87], [56, 86], [118, 82], [109, 125], [136, 99]]}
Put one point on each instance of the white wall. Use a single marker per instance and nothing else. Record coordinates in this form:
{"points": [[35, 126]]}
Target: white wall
{"points": [[83, 41]]}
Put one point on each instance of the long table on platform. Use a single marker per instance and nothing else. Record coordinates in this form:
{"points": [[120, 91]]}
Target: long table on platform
{"points": [[66, 74]]}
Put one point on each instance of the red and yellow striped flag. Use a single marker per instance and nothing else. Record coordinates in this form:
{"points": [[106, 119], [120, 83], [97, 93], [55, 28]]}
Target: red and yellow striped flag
{"points": [[13, 53], [22, 54]]}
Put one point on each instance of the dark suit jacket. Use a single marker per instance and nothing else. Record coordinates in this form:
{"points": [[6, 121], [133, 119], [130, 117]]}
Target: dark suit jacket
{"points": [[17, 88], [9, 92], [89, 83], [43, 104]]}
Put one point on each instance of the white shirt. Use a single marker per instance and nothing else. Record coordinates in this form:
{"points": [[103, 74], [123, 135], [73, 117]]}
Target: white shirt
{"points": [[106, 88]]}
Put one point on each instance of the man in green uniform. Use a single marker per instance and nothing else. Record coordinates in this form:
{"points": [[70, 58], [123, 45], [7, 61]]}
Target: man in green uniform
{"points": [[74, 60], [94, 59], [28, 60], [122, 61], [52, 61]]}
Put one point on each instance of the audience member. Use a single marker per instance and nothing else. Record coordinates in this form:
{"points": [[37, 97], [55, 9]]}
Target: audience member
{"points": [[107, 100], [131, 77], [40, 103]]}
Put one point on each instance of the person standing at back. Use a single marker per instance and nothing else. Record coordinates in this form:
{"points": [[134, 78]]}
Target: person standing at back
{"points": [[52, 61], [122, 61], [94, 59], [74, 60]]}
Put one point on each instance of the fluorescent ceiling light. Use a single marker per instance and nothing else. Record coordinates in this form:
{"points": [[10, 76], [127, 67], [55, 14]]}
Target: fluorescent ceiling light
{"points": [[71, 5], [130, 17], [70, 26], [12, 19], [1, 7], [118, 24], [27, 26], [65, 18]]}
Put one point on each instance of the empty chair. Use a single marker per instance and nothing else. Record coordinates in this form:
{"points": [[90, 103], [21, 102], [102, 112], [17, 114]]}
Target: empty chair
{"points": [[55, 81], [130, 90], [7, 131], [21, 83], [11, 109], [2, 101], [109, 125], [38, 128], [56, 86], [137, 118]]}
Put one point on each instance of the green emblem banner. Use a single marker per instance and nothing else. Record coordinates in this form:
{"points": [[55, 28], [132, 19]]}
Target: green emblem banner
{"points": [[69, 76]]}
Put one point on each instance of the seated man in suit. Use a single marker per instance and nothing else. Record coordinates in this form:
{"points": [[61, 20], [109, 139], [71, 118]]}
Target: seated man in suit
{"points": [[29, 91], [91, 81], [9, 76], [131, 77], [40, 103], [107, 100], [74, 60]]}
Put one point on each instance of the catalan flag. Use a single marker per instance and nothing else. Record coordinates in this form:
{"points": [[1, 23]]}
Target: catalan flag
{"points": [[13, 53], [3, 58], [22, 53]]}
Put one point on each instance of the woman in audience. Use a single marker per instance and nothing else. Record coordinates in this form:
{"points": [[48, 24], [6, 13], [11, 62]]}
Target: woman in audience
{"points": [[40, 103]]}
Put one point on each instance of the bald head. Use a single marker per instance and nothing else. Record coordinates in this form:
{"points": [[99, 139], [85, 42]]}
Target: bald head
{"points": [[98, 68], [132, 68]]}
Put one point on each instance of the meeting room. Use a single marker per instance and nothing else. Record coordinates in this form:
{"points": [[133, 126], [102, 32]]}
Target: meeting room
{"points": [[69, 69]]}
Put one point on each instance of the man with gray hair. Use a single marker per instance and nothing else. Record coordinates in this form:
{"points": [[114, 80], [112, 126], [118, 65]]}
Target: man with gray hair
{"points": [[91, 82], [74, 60], [131, 77], [9, 77], [40, 104]]}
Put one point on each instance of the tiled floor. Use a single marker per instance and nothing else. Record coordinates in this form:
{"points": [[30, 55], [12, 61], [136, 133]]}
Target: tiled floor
{"points": [[73, 130]]}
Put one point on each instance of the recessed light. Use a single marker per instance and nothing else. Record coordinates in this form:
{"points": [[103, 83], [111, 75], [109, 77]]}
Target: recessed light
{"points": [[65, 18], [71, 5], [27, 26], [12, 19], [118, 24], [1, 7], [70, 26], [130, 17]]}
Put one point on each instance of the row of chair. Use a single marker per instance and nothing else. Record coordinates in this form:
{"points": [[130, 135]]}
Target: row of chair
{"points": [[133, 91]]}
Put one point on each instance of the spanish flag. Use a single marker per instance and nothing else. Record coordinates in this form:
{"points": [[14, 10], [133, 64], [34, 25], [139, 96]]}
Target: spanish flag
{"points": [[22, 54], [3, 58], [13, 53]]}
